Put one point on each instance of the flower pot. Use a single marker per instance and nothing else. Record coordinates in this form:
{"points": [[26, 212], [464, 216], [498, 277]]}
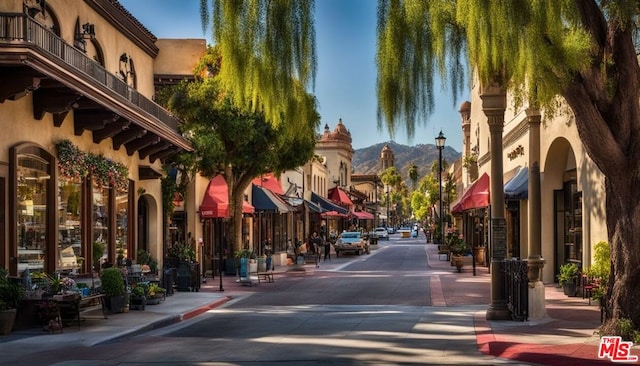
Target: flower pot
{"points": [[478, 253], [570, 288], [458, 262], [115, 304], [7, 319], [138, 303]]}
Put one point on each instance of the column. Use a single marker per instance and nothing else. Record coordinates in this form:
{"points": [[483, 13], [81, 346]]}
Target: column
{"points": [[535, 262], [494, 101]]}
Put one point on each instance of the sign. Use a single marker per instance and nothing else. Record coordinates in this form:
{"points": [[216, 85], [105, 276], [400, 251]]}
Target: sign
{"points": [[499, 236]]}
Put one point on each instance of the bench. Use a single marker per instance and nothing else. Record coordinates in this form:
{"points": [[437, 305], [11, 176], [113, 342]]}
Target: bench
{"points": [[443, 250], [267, 276]]}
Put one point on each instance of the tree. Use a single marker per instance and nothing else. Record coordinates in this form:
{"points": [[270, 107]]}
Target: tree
{"points": [[413, 175], [233, 142], [582, 51], [270, 55]]}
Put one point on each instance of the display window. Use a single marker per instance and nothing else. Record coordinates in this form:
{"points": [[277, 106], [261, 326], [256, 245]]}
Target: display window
{"points": [[69, 253]]}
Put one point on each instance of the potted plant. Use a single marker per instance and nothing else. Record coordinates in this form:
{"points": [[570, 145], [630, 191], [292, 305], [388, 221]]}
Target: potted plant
{"points": [[155, 294], [10, 295], [458, 248], [568, 278], [138, 296], [113, 286]]}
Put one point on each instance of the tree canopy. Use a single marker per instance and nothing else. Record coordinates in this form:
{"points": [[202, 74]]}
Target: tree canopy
{"points": [[270, 55]]}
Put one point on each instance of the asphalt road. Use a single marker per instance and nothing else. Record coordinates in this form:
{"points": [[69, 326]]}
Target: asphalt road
{"points": [[371, 309]]}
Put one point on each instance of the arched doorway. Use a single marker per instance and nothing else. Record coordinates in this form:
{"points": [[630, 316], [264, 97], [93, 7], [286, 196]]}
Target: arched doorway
{"points": [[565, 200]]}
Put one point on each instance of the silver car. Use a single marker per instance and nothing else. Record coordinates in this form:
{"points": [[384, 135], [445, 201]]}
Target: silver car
{"points": [[382, 233], [351, 241]]}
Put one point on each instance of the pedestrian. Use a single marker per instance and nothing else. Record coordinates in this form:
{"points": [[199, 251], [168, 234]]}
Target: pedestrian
{"points": [[315, 243]]}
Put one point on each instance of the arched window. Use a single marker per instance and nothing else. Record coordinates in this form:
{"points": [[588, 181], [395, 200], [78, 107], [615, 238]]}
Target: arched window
{"points": [[33, 200]]}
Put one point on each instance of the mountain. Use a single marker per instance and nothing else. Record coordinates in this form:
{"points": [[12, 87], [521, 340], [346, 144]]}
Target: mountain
{"points": [[367, 160]]}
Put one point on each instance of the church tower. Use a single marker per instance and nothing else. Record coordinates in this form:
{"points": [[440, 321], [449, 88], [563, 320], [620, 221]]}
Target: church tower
{"points": [[387, 159]]}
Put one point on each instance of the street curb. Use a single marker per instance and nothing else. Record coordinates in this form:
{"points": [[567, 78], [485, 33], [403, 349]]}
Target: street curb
{"points": [[166, 321]]}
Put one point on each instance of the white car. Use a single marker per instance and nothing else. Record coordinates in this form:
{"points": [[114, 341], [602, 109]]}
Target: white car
{"points": [[382, 233], [391, 230], [351, 241]]}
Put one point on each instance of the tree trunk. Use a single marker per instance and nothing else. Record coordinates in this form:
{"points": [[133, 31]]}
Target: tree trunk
{"points": [[609, 132], [623, 216], [237, 187]]}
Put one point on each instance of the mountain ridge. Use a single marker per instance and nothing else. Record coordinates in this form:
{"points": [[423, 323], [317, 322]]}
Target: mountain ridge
{"points": [[367, 160]]}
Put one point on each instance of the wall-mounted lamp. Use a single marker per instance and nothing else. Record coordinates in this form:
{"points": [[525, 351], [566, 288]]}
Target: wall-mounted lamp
{"points": [[87, 31]]}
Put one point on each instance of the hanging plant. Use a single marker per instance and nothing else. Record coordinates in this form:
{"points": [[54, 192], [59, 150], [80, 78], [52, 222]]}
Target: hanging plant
{"points": [[77, 165]]}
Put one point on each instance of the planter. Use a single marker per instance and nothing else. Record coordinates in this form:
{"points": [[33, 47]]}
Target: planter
{"points": [[570, 288], [478, 253], [115, 304], [7, 319], [230, 266], [155, 300], [458, 261], [138, 303]]}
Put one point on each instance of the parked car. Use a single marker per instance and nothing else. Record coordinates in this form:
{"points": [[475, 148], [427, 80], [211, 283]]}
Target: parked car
{"points": [[382, 233], [391, 230], [351, 241]]}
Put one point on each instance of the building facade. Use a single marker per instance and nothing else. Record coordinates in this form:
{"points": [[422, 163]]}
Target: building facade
{"points": [[83, 144], [573, 215]]}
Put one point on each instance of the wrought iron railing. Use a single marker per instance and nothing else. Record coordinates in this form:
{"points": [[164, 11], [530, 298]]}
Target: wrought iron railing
{"points": [[20, 28], [516, 288]]}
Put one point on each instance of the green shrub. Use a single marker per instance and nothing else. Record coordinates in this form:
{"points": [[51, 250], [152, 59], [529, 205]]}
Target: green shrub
{"points": [[10, 292], [112, 282], [568, 273]]}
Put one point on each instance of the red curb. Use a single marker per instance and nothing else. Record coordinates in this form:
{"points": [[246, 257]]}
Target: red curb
{"points": [[202, 309]]}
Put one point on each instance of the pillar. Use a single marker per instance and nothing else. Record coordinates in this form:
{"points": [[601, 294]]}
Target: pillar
{"points": [[535, 262], [494, 102]]}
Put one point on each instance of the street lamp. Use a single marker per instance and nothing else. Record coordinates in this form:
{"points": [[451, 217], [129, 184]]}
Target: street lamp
{"points": [[387, 223], [440, 140]]}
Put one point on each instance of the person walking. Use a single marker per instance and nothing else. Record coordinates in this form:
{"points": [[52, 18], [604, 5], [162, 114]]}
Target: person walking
{"points": [[315, 243]]}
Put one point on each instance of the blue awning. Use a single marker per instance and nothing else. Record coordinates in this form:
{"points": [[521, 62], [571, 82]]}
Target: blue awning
{"points": [[313, 207], [327, 204], [265, 200], [517, 188]]}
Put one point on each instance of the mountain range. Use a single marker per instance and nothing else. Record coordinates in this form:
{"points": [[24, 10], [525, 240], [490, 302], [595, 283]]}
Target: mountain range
{"points": [[367, 160]]}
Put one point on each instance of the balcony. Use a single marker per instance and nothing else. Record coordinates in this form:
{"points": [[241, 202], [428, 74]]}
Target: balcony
{"points": [[62, 78]]}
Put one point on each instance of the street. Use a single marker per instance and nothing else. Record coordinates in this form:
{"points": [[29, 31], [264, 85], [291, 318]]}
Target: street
{"points": [[375, 309]]}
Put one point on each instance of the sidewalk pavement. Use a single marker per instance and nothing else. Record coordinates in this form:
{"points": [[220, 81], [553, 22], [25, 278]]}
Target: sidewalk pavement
{"points": [[566, 336]]}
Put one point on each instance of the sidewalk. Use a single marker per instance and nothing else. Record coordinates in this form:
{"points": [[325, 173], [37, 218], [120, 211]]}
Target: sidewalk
{"points": [[566, 336]]}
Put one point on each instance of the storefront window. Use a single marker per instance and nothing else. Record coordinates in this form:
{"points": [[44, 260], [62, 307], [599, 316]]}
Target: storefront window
{"points": [[32, 178], [122, 224], [69, 255], [100, 223]]}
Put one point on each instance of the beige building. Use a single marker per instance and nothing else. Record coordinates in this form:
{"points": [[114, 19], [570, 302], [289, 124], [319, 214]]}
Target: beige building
{"points": [[572, 188], [83, 143]]}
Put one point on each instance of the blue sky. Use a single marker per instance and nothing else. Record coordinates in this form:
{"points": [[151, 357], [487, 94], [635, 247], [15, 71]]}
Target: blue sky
{"points": [[346, 79]]}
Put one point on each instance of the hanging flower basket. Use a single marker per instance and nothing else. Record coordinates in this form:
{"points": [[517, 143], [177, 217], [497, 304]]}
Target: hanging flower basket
{"points": [[78, 165]]}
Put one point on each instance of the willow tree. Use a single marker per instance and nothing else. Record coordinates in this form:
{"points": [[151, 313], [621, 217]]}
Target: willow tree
{"points": [[239, 144], [269, 51], [578, 51]]}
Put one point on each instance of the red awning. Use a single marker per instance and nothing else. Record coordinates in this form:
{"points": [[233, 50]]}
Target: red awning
{"points": [[362, 215], [270, 182], [333, 214], [215, 203], [476, 196], [338, 195]]}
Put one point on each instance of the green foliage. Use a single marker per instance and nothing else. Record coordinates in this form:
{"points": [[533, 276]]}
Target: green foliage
{"points": [[10, 292], [626, 330], [568, 273], [244, 253], [97, 250], [269, 54], [182, 252], [112, 282], [601, 266], [456, 244], [139, 290], [77, 165], [144, 257]]}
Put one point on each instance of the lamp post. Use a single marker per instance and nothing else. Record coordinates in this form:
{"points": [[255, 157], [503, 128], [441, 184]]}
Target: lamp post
{"points": [[440, 140], [387, 223]]}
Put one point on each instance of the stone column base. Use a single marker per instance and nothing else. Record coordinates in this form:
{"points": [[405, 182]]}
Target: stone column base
{"points": [[537, 301]]}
